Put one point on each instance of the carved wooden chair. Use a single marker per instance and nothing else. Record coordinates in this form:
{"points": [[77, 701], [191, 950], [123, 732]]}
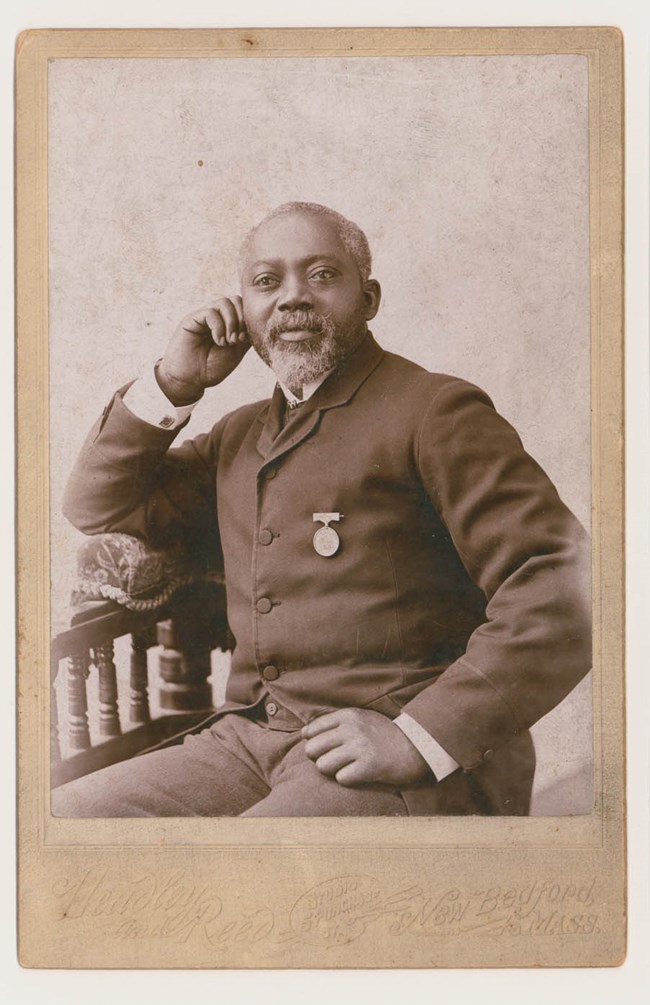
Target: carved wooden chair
{"points": [[128, 600]]}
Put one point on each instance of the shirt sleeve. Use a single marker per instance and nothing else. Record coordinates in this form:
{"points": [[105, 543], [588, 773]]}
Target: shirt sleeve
{"points": [[440, 762], [146, 400]]}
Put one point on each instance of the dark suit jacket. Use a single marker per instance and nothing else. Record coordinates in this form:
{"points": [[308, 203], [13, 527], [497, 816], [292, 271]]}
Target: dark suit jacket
{"points": [[459, 593]]}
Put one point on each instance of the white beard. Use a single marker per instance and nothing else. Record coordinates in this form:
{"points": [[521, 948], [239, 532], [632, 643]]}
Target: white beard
{"points": [[300, 363]]}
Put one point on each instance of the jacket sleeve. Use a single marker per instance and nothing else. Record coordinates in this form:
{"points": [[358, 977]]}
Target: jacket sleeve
{"points": [[531, 558], [127, 479]]}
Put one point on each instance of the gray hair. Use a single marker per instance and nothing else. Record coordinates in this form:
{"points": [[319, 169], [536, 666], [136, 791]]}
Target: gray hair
{"points": [[353, 238]]}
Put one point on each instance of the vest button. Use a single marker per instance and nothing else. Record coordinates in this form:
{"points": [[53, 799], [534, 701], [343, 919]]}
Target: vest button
{"points": [[270, 673], [264, 605], [271, 473], [265, 536], [271, 708], [488, 755]]}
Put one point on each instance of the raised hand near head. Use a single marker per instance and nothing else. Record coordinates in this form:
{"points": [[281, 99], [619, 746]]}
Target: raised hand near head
{"points": [[205, 348]]}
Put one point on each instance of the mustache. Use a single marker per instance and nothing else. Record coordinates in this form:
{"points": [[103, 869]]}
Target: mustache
{"points": [[301, 321]]}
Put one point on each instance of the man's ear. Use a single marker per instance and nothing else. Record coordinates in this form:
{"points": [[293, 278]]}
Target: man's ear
{"points": [[371, 298]]}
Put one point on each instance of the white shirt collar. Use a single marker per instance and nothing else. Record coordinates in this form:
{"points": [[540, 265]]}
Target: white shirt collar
{"points": [[307, 389]]}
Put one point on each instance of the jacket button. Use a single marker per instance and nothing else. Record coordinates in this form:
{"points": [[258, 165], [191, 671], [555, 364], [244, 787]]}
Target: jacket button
{"points": [[264, 605], [271, 473], [265, 536], [270, 673], [488, 755], [271, 708]]}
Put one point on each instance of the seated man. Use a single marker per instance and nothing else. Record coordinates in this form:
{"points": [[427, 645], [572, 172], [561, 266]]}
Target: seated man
{"points": [[407, 592]]}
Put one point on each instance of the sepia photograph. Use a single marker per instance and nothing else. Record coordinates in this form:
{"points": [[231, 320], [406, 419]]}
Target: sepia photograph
{"points": [[324, 498], [384, 505]]}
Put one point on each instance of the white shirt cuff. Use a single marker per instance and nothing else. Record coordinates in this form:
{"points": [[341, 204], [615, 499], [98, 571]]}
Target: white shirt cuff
{"points": [[146, 399], [440, 762]]}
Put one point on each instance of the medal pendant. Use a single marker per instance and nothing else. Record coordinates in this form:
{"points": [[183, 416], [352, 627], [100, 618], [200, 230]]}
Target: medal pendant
{"points": [[326, 540]]}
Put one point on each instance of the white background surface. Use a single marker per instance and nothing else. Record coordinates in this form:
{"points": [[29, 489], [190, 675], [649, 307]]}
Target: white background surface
{"points": [[628, 984]]}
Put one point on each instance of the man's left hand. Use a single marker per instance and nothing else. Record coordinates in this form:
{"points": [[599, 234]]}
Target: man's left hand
{"points": [[357, 746]]}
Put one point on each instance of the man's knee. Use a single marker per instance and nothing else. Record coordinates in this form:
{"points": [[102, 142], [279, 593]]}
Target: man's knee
{"points": [[84, 797], [110, 792], [196, 778]]}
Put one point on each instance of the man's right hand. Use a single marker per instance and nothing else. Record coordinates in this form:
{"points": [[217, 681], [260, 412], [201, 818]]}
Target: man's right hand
{"points": [[207, 345]]}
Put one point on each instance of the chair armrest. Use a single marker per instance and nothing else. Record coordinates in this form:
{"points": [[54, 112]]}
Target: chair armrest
{"points": [[95, 623], [125, 588]]}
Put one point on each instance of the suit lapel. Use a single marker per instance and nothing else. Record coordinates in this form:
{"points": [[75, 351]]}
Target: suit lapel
{"points": [[337, 390]]}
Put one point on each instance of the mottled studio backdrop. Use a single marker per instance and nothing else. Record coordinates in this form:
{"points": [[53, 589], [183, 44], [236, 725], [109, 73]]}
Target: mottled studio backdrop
{"points": [[469, 175]]}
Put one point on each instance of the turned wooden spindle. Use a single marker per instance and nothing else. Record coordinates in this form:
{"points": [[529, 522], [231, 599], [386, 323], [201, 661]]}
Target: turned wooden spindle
{"points": [[78, 735], [197, 626], [109, 717], [184, 669], [139, 701]]}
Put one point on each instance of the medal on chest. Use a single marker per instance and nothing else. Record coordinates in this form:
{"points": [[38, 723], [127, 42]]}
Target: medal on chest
{"points": [[326, 540]]}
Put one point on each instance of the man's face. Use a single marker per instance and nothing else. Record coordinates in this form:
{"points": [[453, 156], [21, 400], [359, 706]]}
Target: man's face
{"points": [[305, 304]]}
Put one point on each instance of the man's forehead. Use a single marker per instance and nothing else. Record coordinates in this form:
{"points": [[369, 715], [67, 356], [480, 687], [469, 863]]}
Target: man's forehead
{"points": [[300, 233]]}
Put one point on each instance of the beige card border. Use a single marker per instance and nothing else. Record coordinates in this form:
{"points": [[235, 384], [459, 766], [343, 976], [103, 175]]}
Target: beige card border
{"points": [[276, 893]]}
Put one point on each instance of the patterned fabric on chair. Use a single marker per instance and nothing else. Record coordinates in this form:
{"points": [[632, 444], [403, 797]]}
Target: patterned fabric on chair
{"points": [[124, 569]]}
